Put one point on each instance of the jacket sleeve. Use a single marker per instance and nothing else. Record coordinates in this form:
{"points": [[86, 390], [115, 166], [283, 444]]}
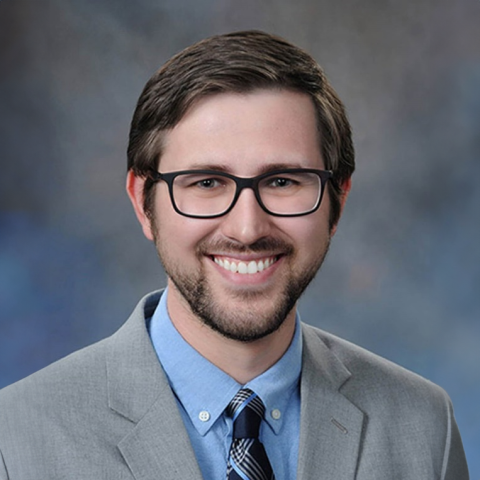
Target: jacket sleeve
{"points": [[454, 463]]}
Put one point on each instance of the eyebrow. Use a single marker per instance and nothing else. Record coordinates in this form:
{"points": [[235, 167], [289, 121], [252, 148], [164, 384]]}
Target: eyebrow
{"points": [[271, 167]]}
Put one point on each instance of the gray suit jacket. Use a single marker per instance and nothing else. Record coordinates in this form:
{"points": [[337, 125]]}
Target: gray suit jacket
{"points": [[107, 412]]}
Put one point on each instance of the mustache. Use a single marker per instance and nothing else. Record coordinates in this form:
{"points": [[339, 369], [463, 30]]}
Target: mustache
{"points": [[262, 245]]}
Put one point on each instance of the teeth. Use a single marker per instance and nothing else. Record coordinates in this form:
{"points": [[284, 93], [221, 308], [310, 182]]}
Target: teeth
{"points": [[246, 268], [252, 267], [242, 268]]}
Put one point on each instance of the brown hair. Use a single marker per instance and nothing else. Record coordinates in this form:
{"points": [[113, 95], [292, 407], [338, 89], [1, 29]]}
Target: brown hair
{"points": [[238, 62]]}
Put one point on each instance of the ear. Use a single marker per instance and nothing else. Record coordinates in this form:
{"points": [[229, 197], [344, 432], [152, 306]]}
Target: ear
{"points": [[135, 186], [346, 186]]}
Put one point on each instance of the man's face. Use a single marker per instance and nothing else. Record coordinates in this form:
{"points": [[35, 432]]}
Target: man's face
{"points": [[245, 135]]}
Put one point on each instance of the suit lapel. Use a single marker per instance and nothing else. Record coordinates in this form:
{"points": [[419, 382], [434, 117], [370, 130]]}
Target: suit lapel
{"points": [[159, 447], [156, 444], [330, 426]]}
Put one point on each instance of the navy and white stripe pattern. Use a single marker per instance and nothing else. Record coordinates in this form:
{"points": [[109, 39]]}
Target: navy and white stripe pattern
{"points": [[247, 459]]}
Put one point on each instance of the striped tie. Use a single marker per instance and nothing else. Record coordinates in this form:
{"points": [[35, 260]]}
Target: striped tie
{"points": [[247, 459]]}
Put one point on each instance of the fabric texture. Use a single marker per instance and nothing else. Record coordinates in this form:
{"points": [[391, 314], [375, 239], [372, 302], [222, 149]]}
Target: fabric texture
{"points": [[247, 459], [108, 412]]}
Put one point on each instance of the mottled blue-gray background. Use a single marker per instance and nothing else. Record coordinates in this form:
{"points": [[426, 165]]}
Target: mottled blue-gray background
{"points": [[403, 276]]}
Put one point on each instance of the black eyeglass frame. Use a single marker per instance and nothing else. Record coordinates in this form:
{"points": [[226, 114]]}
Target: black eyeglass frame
{"points": [[241, 183]]}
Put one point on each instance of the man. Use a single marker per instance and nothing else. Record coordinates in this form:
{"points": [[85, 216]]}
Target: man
{"points": [[240, 160]]}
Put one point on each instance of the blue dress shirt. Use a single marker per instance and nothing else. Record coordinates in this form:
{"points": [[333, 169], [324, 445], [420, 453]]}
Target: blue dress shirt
{"points": [[203, 391]]}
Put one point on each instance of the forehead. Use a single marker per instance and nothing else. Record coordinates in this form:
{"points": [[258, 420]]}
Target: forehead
{"points": [[247, 131]]}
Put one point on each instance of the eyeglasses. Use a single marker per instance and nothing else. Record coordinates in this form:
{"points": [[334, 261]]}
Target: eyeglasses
{"points": [[208, 193]]}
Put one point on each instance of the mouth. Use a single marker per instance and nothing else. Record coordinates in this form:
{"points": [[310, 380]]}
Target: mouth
{"points": [[250, 267]]}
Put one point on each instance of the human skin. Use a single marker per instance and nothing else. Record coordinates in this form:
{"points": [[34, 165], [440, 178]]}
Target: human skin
{"points": [[246, 135]]}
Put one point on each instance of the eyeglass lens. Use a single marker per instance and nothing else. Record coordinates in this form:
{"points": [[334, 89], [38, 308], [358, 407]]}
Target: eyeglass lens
{"points": [[281, 193]]}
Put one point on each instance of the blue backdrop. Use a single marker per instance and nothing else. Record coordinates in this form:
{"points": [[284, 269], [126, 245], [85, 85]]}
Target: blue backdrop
{"points": [[403, 276]]}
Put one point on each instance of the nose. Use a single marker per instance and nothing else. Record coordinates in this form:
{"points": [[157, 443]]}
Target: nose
{"points": [[247, 222]]}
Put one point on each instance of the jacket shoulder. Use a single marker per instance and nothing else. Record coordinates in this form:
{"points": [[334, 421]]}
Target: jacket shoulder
{"points": [[64, 382], [81, 371], [408, 425], [372, 378]]}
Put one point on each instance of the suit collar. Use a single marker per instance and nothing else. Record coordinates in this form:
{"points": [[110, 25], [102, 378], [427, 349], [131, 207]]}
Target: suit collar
{"points": [[331, 425], [132, 365], [157, 443]]}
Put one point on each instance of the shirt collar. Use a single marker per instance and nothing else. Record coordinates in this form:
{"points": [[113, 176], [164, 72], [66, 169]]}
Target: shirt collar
{"points": [[205, 391]]}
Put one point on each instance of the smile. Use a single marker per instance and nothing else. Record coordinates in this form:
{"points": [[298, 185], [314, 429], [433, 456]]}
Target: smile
{"points": [[251, 267]]}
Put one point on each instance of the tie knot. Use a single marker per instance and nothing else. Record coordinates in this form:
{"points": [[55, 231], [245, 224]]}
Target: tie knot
{"points": [[247, 410]]}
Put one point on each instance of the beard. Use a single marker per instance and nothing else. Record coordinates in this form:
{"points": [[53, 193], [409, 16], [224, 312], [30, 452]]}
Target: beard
{"points": [[241, 324]]}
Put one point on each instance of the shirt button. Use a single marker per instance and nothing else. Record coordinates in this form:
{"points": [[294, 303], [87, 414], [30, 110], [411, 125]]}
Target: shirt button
{"points": [[276, 414], [204, 416]]}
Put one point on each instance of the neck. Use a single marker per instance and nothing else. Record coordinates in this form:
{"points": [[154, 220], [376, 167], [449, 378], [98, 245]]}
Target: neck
{"points": [[243, 361]]}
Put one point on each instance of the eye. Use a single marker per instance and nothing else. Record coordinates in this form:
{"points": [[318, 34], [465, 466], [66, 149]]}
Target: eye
{"points": [[208, 183], [281, 182], [199, 182]]}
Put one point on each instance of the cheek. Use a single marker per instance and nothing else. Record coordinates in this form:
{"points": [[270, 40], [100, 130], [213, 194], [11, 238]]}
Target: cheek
{"points": [[179, 236], [308, 232], [311, 239]]}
